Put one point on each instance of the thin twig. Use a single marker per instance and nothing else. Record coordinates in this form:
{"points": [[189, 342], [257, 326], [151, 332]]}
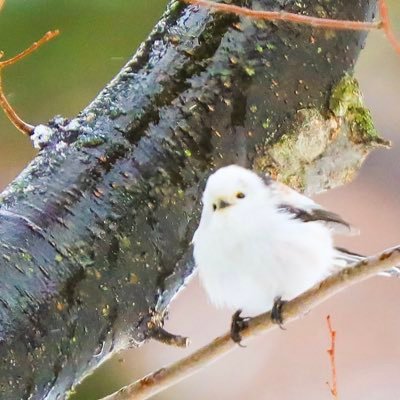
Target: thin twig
{"points": [[174, 373], [316, 22], [20, 124], [332, 357], [386, 26]]}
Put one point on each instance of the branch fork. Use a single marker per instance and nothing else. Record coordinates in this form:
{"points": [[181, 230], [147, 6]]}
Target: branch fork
{"points": [[19, 123]]}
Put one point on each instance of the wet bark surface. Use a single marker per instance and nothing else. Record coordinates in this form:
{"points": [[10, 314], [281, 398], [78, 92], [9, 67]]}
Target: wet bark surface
{"points": [[95, 234]]}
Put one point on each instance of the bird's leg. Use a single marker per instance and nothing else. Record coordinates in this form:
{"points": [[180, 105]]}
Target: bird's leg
{"points": [[276, 312], [238, 324]]}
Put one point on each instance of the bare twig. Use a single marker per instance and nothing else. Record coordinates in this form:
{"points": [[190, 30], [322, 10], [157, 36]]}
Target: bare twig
{"points": [[316, 22], [332, 357], [174, 373], [386, 26], [21, 125]]}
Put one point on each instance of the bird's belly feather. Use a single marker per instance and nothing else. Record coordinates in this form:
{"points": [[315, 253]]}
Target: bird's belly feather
{"points": [[247, 266]]}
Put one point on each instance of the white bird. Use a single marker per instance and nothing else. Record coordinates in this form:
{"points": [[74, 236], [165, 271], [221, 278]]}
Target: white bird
{"points": [[259, 241]]}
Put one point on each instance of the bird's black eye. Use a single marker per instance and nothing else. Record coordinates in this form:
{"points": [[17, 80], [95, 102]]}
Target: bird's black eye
{"points": [[240, 195], [214, 207]]}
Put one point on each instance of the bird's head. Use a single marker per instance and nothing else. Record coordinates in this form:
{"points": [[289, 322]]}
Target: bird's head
{"points": [[230, 186]]}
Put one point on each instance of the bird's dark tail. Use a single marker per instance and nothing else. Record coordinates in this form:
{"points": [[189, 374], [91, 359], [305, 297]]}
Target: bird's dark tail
{"points": [[345, 258]]}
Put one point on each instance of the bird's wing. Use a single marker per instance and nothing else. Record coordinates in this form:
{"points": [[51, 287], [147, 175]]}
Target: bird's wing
{"points": [[307, 210]]}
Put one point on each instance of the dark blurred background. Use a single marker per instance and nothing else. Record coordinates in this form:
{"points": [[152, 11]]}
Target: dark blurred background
{"points": [[97, 38]]}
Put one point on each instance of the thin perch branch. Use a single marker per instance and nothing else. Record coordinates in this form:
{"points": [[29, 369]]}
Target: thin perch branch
{"points": [[174, 373], [20, 124], [316, 22]]}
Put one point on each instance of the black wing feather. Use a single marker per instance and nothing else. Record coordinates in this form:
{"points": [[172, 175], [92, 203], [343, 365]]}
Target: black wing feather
{"points": [[317, 214]]}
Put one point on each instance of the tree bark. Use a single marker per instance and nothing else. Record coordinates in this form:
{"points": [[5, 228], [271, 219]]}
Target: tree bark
{"points": [[95, 232]]}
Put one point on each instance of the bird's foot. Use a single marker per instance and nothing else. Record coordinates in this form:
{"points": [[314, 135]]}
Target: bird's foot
{"points": [[276, 312], [238, 324]]}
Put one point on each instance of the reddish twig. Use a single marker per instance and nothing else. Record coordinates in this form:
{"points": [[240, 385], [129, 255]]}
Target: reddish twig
{"points": [[4, 104], [331, 352], [386, 26], [316, 22]]}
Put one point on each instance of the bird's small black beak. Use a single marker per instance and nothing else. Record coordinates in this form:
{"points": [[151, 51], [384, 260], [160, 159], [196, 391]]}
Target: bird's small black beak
{"points": [[223, 204]]}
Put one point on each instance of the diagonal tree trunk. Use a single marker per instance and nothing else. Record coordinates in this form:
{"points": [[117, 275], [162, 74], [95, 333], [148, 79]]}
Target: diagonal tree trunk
{"points": [[95, 233]]}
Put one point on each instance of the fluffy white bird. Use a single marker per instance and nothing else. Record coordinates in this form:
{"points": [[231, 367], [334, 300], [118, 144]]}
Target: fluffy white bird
{"points": [[259, 241]]}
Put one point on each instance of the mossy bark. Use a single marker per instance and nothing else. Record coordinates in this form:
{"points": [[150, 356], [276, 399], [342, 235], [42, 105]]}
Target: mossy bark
{"points": [[95, 233]]}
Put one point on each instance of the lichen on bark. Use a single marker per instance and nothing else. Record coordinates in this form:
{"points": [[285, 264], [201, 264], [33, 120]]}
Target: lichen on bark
{"points": [[324, 149]]}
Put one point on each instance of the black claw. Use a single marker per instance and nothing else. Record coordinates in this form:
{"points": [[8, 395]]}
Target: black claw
{"points": [[237, 325], [276, 312]]}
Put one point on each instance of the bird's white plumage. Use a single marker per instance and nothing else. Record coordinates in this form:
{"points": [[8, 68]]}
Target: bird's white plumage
{"points": [[249, 250]]}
